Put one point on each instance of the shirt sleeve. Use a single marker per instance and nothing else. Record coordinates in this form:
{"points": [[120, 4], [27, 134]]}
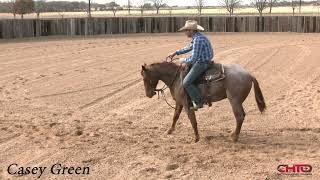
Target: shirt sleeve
{"points": [[196, 51], [184, 50]]}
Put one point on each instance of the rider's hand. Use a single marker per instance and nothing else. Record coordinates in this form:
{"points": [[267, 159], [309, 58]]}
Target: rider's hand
{"points": [[184, 65], [172, 55]]}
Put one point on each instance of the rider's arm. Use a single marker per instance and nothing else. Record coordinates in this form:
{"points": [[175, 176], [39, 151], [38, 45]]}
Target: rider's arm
{"points": [[196, 51], [184, 50]]}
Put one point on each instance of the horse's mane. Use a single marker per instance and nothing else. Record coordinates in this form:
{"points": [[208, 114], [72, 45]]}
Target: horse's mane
{"points": [[165, 65]]}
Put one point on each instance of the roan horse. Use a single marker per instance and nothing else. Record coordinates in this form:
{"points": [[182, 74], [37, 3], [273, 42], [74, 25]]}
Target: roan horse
{"points": [[235, 86]]}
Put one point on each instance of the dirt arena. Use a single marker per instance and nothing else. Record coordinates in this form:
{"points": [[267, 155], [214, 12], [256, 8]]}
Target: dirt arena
{"points": [[81, 103]]}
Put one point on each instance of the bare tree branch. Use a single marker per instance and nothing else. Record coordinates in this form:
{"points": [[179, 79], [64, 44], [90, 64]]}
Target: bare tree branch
{"points": [[113, 6], [158, 4], [142, 6], [39, 7], [24, 7], [294, 4], [12, 7], [89, 9], [260, 5], [230, 5], [300, 2], [271, 2], [129, 6], [200, 5]]}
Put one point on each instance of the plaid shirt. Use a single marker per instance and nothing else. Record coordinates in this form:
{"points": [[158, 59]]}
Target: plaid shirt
{"points": [[201, 49]]}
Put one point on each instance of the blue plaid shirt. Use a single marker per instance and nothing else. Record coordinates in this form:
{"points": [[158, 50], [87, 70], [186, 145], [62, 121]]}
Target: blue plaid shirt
{"points": [[201, 49]]}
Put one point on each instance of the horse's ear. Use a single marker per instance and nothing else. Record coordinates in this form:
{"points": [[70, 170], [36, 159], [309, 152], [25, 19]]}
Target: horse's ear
{"points": [[144, 67]]}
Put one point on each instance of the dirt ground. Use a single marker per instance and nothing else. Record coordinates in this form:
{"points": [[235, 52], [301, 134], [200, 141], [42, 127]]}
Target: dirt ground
{"points": [[81, 102]]}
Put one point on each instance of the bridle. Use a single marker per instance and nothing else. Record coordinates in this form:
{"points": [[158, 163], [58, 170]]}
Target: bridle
{"points": [[158, 91]]}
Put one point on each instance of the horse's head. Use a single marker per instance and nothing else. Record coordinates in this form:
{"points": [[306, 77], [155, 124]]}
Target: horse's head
{"points": [[150, 80]]}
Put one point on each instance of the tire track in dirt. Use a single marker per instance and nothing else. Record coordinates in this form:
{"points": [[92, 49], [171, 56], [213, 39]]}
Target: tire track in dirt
{"points": [[100, 99], [223, 55], [285, 73], [46, 77], [91, 65], [266, 59], [80, 90], [128, 51]]}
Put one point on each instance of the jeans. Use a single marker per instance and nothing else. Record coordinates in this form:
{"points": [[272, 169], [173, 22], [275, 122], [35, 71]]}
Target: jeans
{"points": [[188, 82]]}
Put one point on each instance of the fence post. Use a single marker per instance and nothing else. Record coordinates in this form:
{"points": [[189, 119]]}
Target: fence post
{"points": [[37, 27]]}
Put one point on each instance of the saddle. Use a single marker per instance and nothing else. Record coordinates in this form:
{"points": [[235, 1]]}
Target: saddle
{"points": [[214, 73]]}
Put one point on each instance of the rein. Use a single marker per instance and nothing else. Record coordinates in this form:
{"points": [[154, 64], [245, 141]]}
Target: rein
{"points": [[158, 91]]}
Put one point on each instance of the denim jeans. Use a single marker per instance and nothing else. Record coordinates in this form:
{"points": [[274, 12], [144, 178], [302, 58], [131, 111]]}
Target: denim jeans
{"points": [[188, 82]]}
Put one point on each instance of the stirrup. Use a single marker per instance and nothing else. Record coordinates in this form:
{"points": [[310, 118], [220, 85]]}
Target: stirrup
{"points": [[195, 106]]}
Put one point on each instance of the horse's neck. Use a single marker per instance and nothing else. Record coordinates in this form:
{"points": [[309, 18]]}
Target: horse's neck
{"points": [[169, 75], [168, 80]]}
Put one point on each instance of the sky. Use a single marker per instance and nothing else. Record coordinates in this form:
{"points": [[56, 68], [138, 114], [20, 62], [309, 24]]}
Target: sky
{"points": [[136, 2], [169, 2]]}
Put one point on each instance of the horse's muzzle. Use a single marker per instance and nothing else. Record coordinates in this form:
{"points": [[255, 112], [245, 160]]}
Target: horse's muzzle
{"points": [[150, 95]]}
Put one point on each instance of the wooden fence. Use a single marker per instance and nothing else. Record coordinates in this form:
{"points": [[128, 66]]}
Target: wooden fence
{"points": [[123, 25]]}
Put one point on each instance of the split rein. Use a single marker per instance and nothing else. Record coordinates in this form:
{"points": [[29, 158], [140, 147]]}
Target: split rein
{"points": [[158, 91]]}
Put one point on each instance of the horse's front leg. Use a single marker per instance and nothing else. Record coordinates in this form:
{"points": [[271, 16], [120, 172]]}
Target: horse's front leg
{"points": [[193, 120], [176, 115]]}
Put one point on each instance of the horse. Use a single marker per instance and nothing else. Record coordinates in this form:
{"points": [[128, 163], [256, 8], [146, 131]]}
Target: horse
{"points": [[235, 86]]}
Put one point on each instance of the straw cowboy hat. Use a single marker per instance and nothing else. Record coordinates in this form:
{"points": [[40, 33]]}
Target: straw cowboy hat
{"points": [[191, 25]]}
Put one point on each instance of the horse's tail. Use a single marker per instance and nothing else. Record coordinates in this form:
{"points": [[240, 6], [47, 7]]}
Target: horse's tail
{"points": [[258, 94]]}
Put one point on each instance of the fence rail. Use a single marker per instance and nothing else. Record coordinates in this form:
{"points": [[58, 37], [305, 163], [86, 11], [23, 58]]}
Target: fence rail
{"points": [[17, 28]]}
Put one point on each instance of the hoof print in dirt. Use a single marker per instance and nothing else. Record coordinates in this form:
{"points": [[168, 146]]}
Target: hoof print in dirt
{"points": [[171, 167], [79, 132]]}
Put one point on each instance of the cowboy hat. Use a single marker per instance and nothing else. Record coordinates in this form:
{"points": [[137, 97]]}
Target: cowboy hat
{"points": [[191, 25]]}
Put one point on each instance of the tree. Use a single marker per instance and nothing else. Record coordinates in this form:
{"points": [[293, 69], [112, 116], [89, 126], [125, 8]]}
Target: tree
{"points": [[148, 6], [89, 9], [12, 8], [24, 7], [158, 4], [300, 2], [129, 6], [170, 10], [271, 2], [260, 5], [142, 6], [294, 4], [113, 6], [39, 6], [200, 5], [230, 5]]}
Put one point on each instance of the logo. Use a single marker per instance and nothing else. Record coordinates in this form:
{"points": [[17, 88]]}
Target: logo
{"points": [[295, 169]]}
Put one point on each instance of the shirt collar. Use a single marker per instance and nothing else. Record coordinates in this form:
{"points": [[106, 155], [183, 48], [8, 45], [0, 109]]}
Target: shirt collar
{"points": [[195, 35]]}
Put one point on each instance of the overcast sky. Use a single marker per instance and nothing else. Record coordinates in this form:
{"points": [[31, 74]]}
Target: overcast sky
{"points": [[135, 2], [169, 2]]}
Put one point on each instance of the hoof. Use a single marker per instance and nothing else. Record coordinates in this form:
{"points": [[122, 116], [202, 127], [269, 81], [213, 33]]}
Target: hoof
{"points": [[234, 137], [170, 131], [196, 140]]}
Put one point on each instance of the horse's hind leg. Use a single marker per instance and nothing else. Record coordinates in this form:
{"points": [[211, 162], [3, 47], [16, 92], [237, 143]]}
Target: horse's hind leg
{"points": [[239, 114], [176, 115], [193, 120]]}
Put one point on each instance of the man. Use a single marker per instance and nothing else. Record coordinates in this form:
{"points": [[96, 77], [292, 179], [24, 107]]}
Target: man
{"points": [[202, 53]]}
